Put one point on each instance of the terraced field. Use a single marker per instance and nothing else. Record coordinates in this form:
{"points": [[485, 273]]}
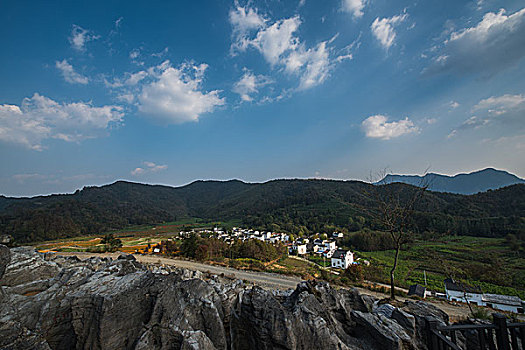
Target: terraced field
{"points": [[487, 262]]}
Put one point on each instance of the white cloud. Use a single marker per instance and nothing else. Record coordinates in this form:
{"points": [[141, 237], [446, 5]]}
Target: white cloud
{"points": [[504, 111], [80, 37], [69, 74], [175, 96], [277, 39], [376, 126], [249, 85], [148, 167], [134, 54], [130, 79], [495, 43], [473, 122], [383, 29], [135, 78], [453, 104], [355, 7], [278, 43], [22, 178], [243, 21], [499, 104], [40, 118], [137, 171], [313, 65]]}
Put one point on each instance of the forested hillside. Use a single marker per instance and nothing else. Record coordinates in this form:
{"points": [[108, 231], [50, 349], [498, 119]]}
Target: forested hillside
{"points": [[287, 205]]}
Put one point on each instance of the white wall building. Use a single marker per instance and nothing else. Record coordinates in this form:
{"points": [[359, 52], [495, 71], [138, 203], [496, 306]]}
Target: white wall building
{"points": [[456, 291], [503, 302], [341, 259], [330, 245], [460, 292], [301, 249]]}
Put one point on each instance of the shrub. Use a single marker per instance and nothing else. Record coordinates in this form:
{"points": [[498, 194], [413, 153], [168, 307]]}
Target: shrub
{"points": [[481, 313]]}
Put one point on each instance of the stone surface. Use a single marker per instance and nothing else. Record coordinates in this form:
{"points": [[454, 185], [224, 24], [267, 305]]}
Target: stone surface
{"points": [[405, 320], [63, 303], [5, 258]]}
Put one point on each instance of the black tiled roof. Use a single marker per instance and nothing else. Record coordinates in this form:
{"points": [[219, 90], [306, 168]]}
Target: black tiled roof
{"points": [[339, 254], [417, 289], [450, 284]]}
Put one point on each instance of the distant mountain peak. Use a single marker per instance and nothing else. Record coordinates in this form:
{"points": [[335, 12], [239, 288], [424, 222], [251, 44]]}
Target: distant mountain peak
{"points": [[463, 183]]}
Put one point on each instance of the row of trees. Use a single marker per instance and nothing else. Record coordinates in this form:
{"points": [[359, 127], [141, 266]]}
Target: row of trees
{"points": [[212, 248]]}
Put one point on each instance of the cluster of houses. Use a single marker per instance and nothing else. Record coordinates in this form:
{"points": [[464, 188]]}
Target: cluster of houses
{"points": [[243, 234], [326, 248]]}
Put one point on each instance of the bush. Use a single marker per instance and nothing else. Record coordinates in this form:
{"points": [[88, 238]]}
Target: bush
{"points": [[354, 273], [481, 313], [96, 249]]}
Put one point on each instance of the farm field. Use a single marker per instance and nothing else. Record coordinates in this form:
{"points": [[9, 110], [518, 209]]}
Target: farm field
{"points": [[486, 262]]}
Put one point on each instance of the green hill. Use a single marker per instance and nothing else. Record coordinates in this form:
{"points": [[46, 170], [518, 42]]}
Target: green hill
{"points": [[287, 205]]}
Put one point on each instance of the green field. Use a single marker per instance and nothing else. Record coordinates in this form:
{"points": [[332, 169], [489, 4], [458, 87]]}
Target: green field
{"points": [[487, 262]]}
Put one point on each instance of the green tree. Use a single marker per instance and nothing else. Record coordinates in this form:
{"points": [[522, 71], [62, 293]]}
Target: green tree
{"points": [[189, 246], [395, 204]]}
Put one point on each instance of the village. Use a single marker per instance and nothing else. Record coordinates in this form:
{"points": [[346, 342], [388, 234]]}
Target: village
{"points": [[320, 245], [326, 247]]}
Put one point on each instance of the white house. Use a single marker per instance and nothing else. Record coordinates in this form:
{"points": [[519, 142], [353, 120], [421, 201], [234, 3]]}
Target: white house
{"points": [[301, 249], [457, 291], [503, 302], [342, 258], [330, 245]]}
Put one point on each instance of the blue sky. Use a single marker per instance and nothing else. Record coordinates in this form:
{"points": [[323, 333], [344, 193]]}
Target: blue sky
{"points": [[170, 92]]}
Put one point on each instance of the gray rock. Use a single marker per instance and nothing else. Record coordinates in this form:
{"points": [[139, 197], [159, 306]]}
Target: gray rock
{"points": [[124, 256], [383, 333], [383, 309], [27, 265], [421, 312], [405, 320], [121, 304], [5, 258]]}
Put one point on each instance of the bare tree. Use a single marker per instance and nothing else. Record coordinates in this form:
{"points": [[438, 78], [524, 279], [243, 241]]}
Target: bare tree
{"points": [[395, 204]]}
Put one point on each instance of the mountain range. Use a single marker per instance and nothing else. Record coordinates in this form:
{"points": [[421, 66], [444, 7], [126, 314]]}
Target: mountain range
{"points": [[477, 181], [294, 206]]}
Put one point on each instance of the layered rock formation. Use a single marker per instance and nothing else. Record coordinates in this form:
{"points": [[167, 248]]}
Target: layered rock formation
{"points": [[63, 303]]}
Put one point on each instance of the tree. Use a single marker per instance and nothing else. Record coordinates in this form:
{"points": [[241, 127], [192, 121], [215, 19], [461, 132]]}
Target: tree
{"points": [[394, 213], [112, 243], [189, 246]]}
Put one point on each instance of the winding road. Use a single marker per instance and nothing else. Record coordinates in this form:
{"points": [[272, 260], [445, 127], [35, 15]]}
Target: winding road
{"points": [[263, 279]]}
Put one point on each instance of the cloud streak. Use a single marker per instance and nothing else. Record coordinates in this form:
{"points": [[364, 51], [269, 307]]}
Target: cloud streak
{"points": [[69, 74], [378, 127], [383, 29], [80, 37], [496, 43], [148, 167]]}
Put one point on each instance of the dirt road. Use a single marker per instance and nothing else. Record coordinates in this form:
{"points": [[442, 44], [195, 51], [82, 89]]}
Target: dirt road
{"points": [[263, 279]]}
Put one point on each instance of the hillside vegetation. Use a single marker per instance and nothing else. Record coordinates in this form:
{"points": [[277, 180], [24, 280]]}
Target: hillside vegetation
{"points": [[296, 206]]}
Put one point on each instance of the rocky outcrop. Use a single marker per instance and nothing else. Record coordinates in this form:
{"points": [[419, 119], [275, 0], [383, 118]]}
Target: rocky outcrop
{"points": [[65, 303], [5, 258]]}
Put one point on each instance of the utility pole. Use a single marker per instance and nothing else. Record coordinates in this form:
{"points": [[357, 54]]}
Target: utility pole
{"points": [[425, 273]]}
